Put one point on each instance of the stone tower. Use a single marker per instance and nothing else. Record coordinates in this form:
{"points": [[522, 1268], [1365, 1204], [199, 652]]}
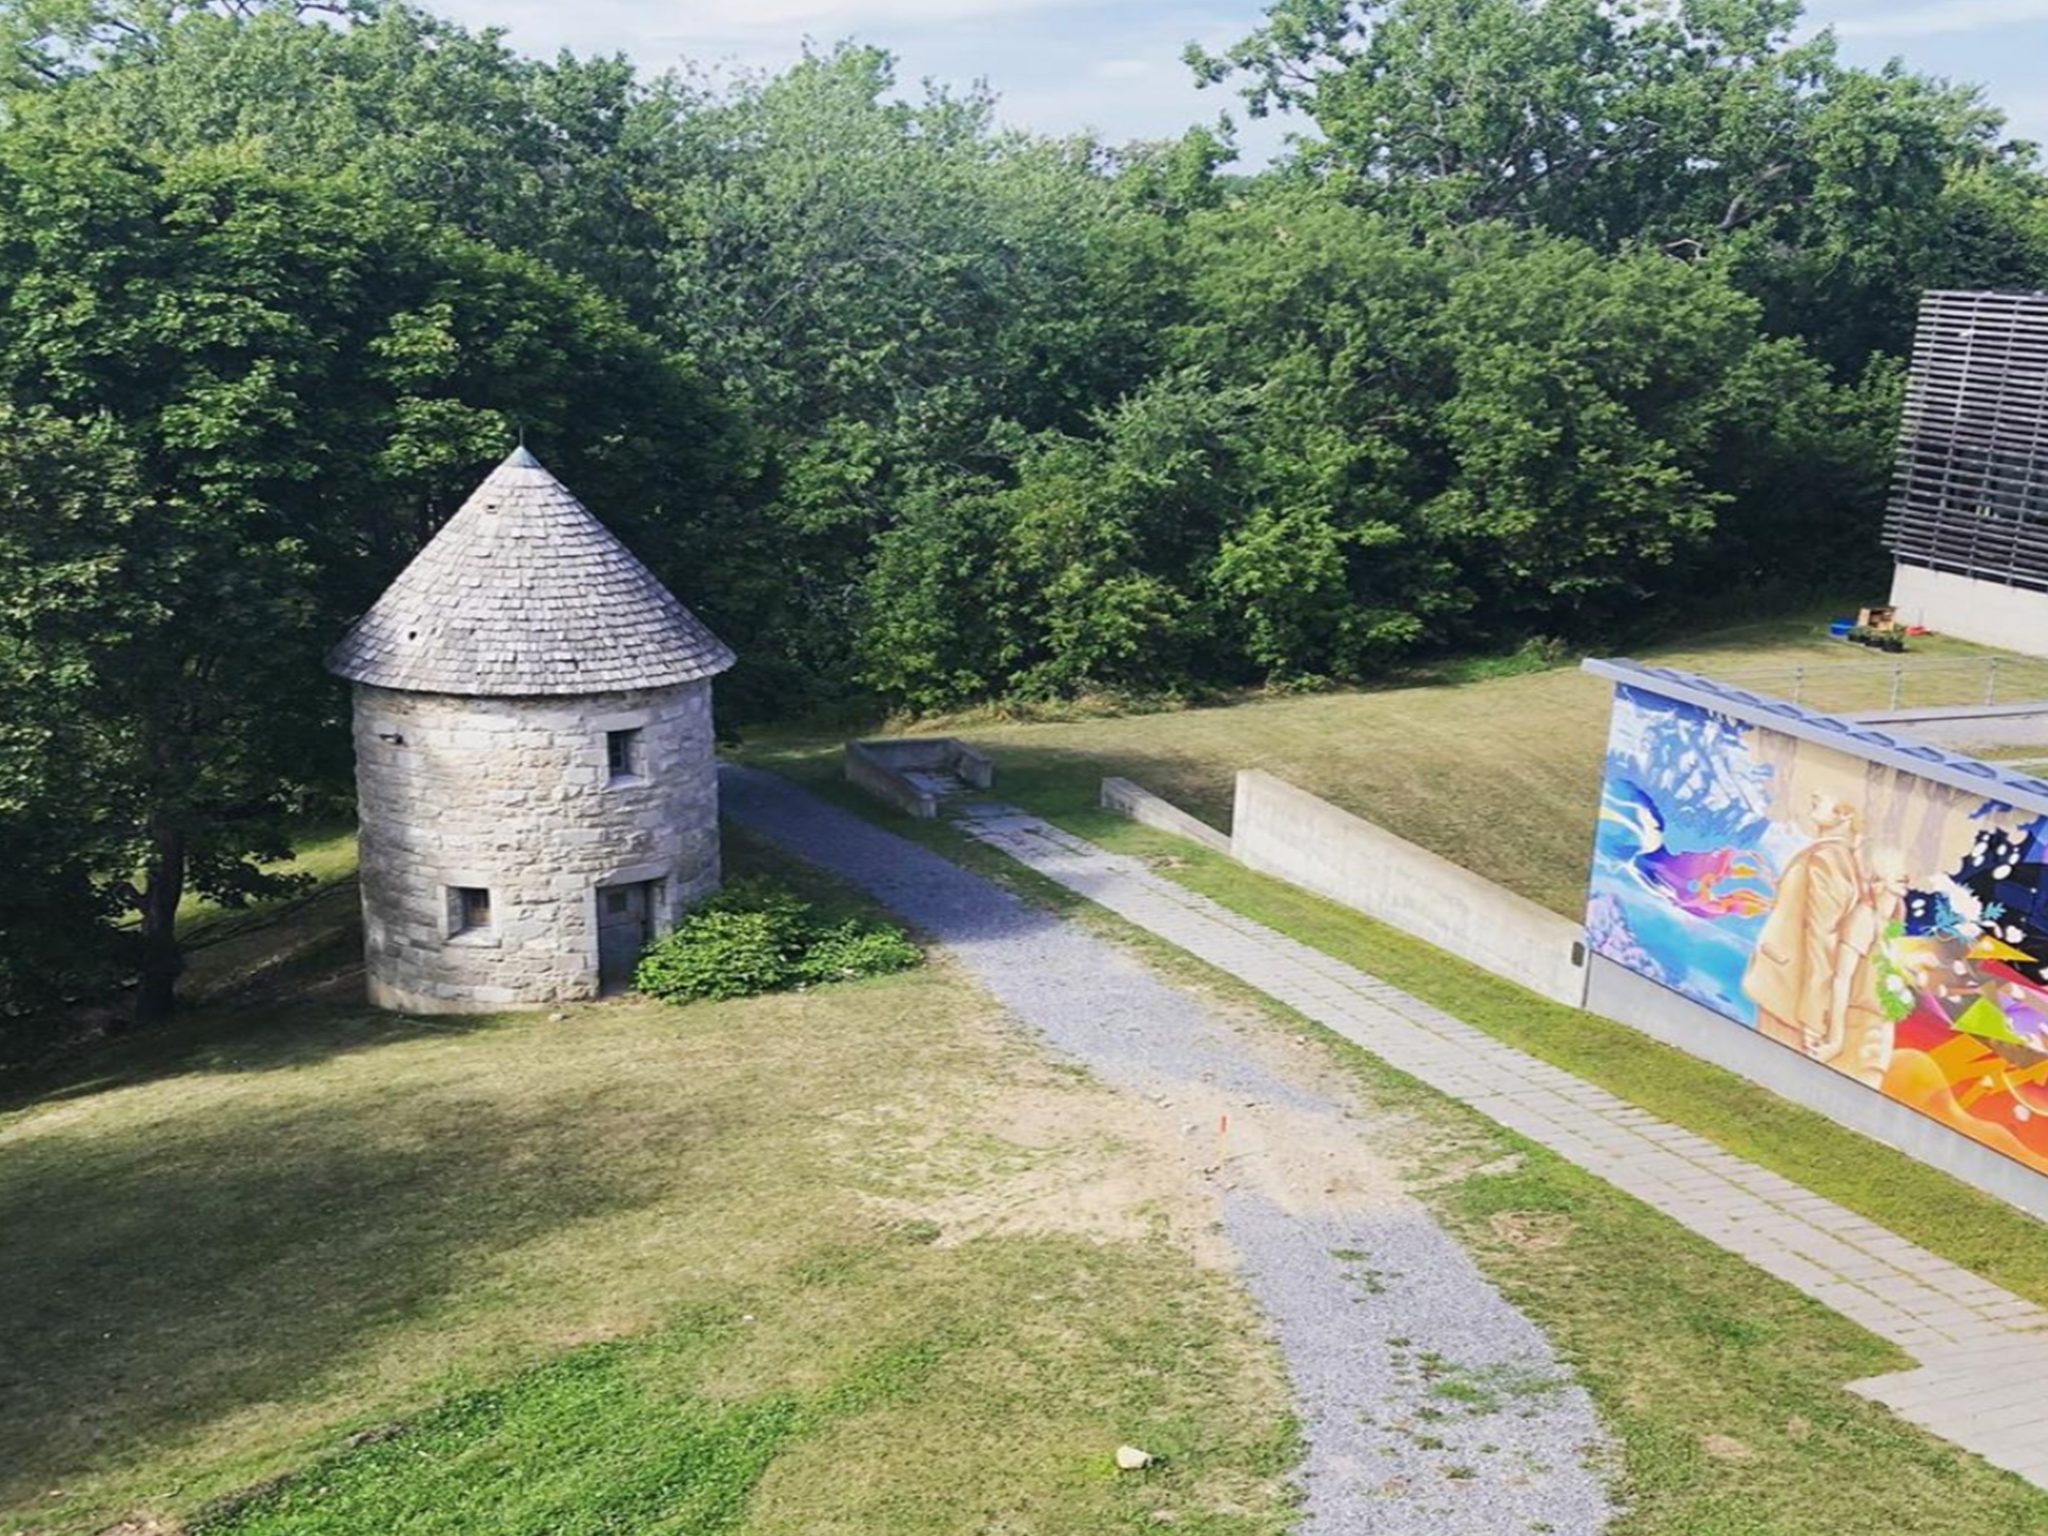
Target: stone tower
{"points": [[534, 769]]}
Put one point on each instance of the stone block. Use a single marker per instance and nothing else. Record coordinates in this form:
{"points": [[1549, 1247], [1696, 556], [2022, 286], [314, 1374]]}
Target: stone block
{"points": [[505, 791]]}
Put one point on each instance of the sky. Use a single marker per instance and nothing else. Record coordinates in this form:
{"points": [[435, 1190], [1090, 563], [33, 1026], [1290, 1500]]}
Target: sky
{"points": [[1114, 66]]}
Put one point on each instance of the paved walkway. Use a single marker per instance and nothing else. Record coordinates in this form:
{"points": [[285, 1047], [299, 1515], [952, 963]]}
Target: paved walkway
{"points": [[1376, 1310], [1982, 1351]]}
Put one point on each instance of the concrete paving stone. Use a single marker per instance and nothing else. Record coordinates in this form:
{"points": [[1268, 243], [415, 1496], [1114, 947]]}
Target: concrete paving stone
{"points": [[1962, 1398], [1979, 1353]]}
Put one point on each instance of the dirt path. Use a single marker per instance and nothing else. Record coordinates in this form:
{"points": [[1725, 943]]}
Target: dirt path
{"points": [[1428, 1403]]}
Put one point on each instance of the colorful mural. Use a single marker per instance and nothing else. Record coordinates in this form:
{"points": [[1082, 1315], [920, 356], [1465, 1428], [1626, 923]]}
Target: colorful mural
{"points": [[1890, 927]]}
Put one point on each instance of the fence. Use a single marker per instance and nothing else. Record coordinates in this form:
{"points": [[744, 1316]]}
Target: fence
{"points": [[1910, 682]]}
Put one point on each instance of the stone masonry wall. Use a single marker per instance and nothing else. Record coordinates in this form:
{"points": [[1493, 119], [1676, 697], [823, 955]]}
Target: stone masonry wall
{"points": [[515, 796]]}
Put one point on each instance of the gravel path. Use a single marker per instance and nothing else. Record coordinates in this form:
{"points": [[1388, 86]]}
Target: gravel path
{"points": [[1429, 1405]]}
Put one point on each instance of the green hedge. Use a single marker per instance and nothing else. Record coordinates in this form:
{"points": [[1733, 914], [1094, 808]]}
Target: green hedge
{"points": [[756, 936]]}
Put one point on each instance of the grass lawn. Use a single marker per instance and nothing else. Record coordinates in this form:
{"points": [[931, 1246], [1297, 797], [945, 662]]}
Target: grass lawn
{"points": [[1724, 1386], [1495, 768], [807, 1264], [781, 1265], [229, 952]]}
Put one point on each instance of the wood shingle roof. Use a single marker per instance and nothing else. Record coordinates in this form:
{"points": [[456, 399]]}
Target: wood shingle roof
{"points": [[523, 592]]}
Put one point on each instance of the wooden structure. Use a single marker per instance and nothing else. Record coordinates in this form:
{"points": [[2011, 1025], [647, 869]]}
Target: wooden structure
{"points": [[1971, 489], [1968, 521]]}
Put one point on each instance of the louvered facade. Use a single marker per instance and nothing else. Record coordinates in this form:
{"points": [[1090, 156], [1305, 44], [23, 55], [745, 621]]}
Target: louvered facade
{"points": [[1968, 520], [1971, 492]]}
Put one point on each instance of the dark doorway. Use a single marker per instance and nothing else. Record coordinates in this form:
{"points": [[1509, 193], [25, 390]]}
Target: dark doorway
{"points": [[625, 922]]}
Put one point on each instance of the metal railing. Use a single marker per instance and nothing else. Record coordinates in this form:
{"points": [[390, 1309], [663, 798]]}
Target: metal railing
{"points": [[1932, 682]]}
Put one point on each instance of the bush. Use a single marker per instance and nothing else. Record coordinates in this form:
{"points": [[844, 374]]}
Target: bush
{"points": [[754, 937], [856, 949], [720, 954]]}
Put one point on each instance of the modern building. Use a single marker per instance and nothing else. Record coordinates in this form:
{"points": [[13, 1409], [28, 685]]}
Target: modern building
{"points": [[1969, 510], [534, 757]]}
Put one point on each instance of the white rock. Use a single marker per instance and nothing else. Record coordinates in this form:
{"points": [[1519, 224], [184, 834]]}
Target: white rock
{"points": [[1130, 1459]]}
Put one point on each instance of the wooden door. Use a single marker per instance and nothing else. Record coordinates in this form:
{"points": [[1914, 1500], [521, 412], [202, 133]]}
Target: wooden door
{"points": [[624, 916]]}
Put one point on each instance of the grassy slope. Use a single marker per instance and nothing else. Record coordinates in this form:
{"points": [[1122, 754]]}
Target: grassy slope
{"points": [[1498, 772], [638, 1258], [1724, 1385], [1526, 749]]}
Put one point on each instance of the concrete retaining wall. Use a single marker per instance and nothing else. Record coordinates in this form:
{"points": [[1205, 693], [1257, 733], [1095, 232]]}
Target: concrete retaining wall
{"points": [[1141, 805], [1287, 832], [901, 771], [1617, 993], [2013, 618], [864, 771]]}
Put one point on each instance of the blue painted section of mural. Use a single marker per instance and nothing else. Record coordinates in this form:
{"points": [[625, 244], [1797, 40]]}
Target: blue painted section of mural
{"points": [[1680, 884], [1889, 925]]}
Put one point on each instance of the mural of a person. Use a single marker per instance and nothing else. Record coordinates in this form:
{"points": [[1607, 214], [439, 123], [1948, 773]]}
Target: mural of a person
{"points": [[1858, 1036], [1895, 928], [1791, 974]]}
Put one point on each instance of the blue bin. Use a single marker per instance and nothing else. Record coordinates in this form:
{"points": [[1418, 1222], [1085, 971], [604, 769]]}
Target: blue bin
{"points": [[1841, 627]]}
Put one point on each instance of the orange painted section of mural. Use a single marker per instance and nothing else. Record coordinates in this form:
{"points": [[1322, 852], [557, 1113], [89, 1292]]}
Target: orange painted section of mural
{"points": [[1890, 927]]}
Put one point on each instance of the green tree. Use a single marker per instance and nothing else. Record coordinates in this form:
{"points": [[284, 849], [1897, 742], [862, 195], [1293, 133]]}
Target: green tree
{"points": [[59, 822], [272, 386], [1077, 574], [1580, 449], [552, 158], [1328, 311], [1703, 128], [879, 283]]}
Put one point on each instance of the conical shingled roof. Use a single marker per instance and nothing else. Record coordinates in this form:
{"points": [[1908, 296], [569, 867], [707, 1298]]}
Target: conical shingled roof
{"points": [[523, 592]]}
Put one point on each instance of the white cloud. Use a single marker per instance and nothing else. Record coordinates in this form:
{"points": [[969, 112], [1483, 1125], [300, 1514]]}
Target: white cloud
{"points": [[1947, 16], [1058, 66], [708, 26]]}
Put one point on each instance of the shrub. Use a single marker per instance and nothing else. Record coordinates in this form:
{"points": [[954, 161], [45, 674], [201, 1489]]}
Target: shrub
{"points": [[857, 949], [719, 954], [755, 936]]}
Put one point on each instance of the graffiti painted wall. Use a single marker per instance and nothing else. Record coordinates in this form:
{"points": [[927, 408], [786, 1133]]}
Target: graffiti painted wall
{"points": [[1890, 927]]}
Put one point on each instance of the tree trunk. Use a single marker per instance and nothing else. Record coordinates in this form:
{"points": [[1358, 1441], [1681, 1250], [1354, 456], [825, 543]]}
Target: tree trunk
{"points": [[156, 992]]}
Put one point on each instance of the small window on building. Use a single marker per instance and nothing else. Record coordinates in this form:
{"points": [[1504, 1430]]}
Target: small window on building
{"points": [[617, 900], [623, 754], [469, 909]]}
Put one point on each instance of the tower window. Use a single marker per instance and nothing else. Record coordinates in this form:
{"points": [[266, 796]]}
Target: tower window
{"points": [[469, 909], [624, 755]]}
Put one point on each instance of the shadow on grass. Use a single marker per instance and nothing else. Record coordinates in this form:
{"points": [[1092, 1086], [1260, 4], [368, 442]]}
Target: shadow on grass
{"points": [[247, 1037], [302, 961], [274, 950], [166, 1274]]}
